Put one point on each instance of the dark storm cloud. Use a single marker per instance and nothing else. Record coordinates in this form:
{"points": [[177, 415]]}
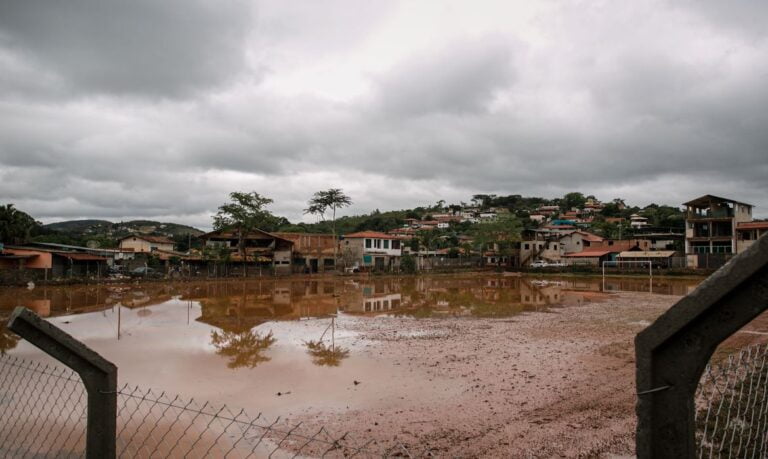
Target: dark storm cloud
{"points": [[159, 109], [153, 48]]}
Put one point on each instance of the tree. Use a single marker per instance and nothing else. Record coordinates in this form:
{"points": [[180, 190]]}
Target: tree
{"points": [[245, 213], [502, 233], [408, 264], [15, 226], [572, 200], [321, 202]]}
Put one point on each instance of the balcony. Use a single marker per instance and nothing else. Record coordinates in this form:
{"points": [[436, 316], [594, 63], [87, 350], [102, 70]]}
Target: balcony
{"points": [[709, 214]]}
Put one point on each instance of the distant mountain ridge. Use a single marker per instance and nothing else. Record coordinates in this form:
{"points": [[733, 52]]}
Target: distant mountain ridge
{"points": [[105, 227]]}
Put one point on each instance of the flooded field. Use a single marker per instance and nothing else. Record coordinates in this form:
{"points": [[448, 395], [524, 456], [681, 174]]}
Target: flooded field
{"points": [[431, 359]]}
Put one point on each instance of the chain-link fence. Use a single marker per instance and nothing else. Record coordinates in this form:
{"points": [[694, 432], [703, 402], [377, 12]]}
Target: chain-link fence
{"points": [[732, 406], [43, 414], [42, 410]]}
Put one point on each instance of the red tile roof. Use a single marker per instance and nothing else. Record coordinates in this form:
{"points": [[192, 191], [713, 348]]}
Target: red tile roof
{"points": [[752, 225], [368, 234], [590, 237], [589, 253]]}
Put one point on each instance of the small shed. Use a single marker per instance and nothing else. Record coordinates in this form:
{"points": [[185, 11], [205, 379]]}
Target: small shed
{"points": [[659, 258]]}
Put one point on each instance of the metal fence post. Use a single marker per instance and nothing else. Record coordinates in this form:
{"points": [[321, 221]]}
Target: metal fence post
{"points": [[99, 377], [672, 353]]}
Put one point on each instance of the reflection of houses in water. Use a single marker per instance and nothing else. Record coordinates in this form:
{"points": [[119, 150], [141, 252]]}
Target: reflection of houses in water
{"points": [[377, 296], [244, 305], [381, 303]]}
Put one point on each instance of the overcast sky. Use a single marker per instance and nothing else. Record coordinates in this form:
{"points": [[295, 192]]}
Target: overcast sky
{"points": [[158, 109]]}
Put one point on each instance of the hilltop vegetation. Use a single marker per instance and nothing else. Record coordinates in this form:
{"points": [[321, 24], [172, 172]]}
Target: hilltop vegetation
{"points": [[104, 233]]}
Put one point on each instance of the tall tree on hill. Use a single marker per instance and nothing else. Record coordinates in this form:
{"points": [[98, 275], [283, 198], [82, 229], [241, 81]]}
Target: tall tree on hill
{"points": [[245, 213], [15, 226], [501, 234], [332, 200], [573, 200]]}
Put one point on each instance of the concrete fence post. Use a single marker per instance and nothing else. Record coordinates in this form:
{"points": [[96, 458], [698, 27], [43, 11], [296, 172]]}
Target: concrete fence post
{"points": [[99, 377], [672, 353]]}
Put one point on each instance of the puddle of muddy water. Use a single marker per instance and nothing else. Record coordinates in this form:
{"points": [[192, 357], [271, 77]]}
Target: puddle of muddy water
{"points": [[287, 346]]}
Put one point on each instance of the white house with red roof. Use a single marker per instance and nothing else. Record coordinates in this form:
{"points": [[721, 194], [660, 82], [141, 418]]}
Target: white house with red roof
{"points": [[371, 250]]}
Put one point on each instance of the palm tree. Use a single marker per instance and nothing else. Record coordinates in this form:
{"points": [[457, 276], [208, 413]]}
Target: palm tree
{"points": [[323, 201]]}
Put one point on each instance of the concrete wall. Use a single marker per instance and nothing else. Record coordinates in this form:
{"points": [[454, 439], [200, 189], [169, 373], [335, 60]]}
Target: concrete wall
{"points": [[43, 260], [138, 244]]}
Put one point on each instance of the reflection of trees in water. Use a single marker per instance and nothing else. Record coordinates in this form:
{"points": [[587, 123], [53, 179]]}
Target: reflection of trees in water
{"points": [[324, 354], [8, 339], [244, 349]]}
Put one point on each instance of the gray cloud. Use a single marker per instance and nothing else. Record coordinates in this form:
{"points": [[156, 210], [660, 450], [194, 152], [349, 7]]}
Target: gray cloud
{"points": [[667, 109], [144, 47], [462, 77]]}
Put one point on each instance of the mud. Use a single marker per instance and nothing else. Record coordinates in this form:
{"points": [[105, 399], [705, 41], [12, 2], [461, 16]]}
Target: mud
{"points": [[555, 384]]}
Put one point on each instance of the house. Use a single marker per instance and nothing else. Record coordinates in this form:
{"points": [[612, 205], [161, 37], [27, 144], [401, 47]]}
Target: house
{"points": [[403, 233], [52, 263], [748, 232], [537, 217], [591, 257], [606, 250], [313, 252], [548, 210], [371, 250], [261, 248], [711, 222], [141, 243], [637, 221], [113, 256]]}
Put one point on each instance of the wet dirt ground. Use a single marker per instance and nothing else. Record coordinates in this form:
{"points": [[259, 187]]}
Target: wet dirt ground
{"points": [[552, 384], [473, 366]]}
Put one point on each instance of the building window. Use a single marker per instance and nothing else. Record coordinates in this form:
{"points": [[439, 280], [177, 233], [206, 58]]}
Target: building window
{"points": [[386, 244], [396, 245], [367, 243], [526, 246], [377, 243]]}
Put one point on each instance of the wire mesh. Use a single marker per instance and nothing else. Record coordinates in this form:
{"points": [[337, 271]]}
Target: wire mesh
{"points": [[732, 406], [152, 424], [42, 410], [43, 414]]}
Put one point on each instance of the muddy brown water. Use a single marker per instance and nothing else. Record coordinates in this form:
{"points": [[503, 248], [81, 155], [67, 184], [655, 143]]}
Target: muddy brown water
{"points": [[244, 342]]}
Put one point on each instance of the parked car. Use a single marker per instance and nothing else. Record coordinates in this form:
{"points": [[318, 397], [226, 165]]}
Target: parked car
{"points": [[144, 271], [539, 264]]}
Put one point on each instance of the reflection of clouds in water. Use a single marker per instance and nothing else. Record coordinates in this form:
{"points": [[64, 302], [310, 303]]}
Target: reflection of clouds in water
{"points": [[244, 349]]}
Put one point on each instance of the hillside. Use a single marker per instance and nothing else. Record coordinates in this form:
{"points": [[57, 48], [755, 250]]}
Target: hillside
{"points": [[104, 227]]}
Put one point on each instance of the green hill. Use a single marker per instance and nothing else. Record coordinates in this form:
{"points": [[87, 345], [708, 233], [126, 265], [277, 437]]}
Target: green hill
{"points": [[83, 228]]}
